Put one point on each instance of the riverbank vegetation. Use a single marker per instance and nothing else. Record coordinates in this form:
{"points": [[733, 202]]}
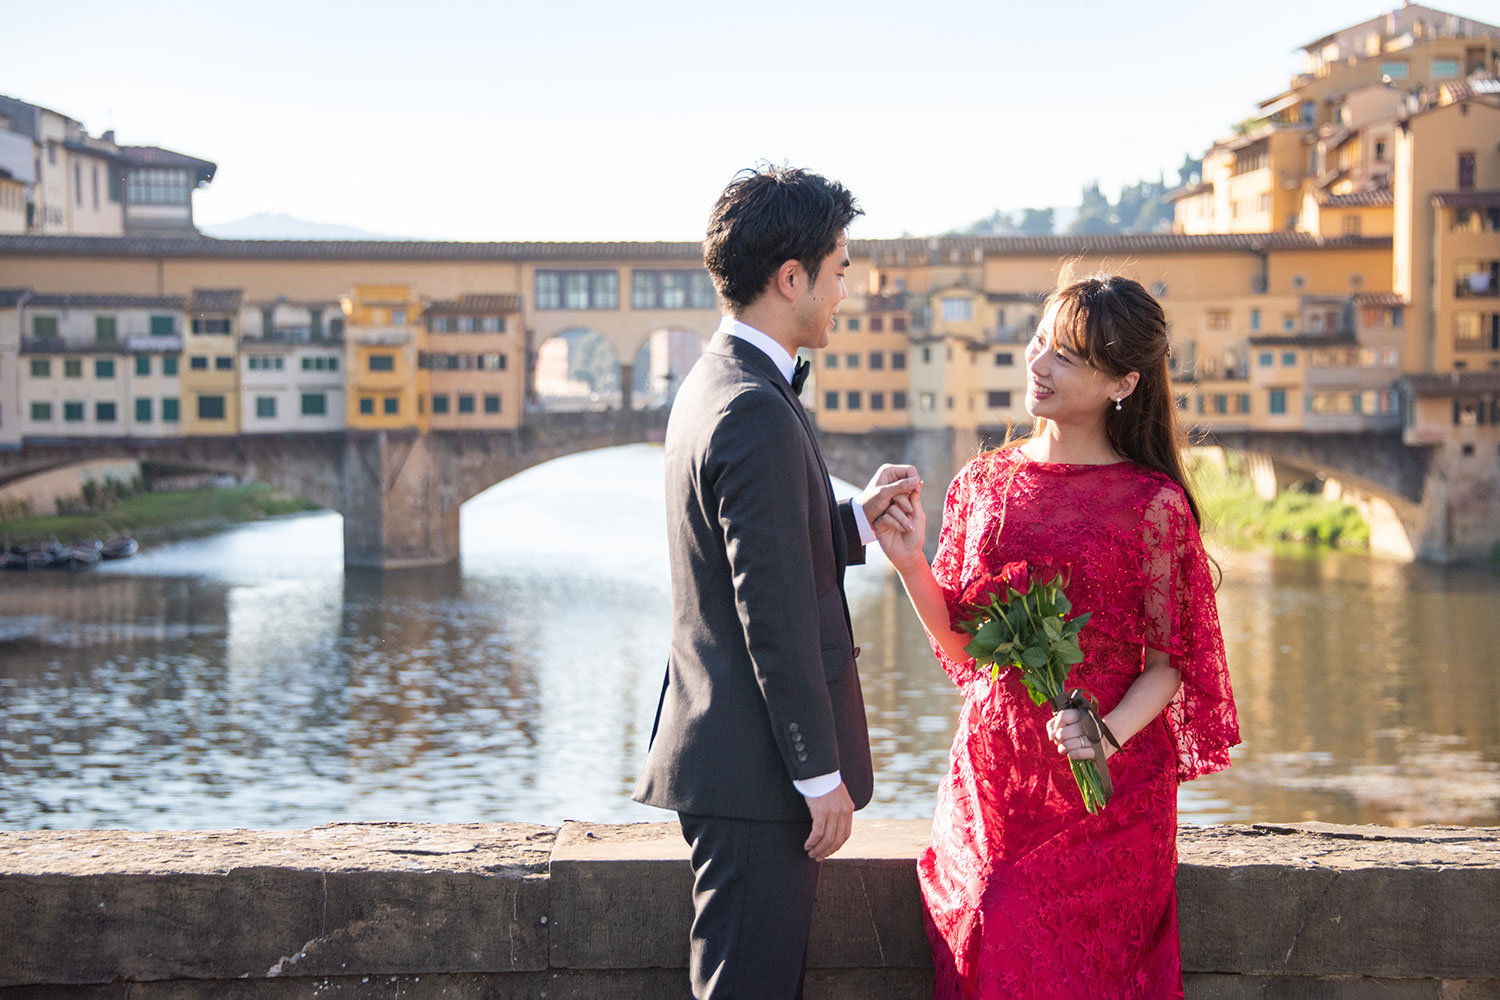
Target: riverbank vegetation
{"points": [[157, 516], [1232, 509]]}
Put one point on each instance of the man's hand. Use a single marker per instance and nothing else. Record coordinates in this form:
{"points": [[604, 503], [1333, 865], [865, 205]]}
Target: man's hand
{"points": [[893, 489], [833, 821]]}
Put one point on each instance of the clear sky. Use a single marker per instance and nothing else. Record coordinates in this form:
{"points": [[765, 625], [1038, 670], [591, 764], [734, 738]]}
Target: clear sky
{"points": [[586, 120]]}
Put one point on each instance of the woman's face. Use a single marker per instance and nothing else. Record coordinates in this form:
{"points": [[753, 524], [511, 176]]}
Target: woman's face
{"points": [[1060, 385]]}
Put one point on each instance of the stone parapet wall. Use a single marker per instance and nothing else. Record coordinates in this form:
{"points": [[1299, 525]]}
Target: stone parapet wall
{"points": [[500, 911]]}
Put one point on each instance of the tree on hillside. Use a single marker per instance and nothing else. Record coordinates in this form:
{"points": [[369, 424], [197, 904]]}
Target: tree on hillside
{"points": [[1095, 215], [1036, 222]]}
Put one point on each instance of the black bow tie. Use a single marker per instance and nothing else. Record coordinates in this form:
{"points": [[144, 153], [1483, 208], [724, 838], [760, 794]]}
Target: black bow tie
{"points": [[799, 375]]}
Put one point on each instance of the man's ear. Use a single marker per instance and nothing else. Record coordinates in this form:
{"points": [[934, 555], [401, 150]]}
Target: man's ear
{"points": [[790, 277]]}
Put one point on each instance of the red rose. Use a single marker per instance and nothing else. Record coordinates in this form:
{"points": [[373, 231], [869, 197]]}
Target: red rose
{"points": [[1017, 576], [1049, 572], [981, 593], [975, 601]]}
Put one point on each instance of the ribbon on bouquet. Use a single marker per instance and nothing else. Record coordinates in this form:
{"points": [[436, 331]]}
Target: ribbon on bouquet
{"points": [[1094, 730]]}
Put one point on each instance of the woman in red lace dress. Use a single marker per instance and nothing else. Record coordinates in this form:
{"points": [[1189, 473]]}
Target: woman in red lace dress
{"points": [[1027, 895]]}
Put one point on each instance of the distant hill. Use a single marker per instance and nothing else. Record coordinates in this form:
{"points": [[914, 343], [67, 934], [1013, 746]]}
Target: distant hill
{"points": [[275, 226]]}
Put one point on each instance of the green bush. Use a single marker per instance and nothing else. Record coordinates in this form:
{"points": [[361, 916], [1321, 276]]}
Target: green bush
{"points": [[159, 515], [1230, 506]]}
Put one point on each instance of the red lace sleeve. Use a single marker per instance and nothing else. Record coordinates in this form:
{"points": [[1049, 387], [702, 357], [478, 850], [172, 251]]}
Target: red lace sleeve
{"points": [[1181, 619], [948, 562]]}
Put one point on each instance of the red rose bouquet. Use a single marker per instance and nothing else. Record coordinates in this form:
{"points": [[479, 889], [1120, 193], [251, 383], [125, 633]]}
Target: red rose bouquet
{"points": [[1016, 617]]}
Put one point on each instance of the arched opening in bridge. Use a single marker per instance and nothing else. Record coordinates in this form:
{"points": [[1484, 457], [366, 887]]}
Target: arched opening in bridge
{"points": [[576, 369], [661, 362]]}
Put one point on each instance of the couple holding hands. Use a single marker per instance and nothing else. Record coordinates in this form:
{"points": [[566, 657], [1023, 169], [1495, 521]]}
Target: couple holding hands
{"points": [[760, 742]]}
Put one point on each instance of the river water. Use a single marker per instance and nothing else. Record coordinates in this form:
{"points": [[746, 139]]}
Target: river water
{"points": [[247, 679]]}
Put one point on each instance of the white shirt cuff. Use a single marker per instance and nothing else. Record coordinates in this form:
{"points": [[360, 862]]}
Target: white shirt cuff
{"points": [[866, 533], [816, 788]]}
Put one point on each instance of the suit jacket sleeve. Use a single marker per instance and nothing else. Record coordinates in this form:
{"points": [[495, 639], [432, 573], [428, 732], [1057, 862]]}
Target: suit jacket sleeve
{"points": [[854, 549], [765, 482]]}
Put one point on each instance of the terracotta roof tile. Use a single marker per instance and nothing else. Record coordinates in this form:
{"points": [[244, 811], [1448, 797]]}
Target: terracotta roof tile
{"points": [[1467, 199], [155, 156], [217, 300], [1305, 340], [1359, 199], [1391, 299], [970, 248], [477, 304], [44, 301], [1451, 383]]}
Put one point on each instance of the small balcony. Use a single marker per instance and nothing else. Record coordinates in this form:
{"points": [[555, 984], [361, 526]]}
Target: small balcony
{"points": [[147, 343], [380, 338], [297, 335]]}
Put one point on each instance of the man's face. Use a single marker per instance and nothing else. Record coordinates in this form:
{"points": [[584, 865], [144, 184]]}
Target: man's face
{"points": [[819, 300]]}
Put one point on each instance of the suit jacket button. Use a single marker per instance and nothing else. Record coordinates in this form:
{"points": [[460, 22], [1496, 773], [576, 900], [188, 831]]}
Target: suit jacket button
{"points": [[802, 756], [793, 727]]}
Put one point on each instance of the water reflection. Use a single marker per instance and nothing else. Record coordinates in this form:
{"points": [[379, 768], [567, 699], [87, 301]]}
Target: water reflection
{"points": [[247, 680]]}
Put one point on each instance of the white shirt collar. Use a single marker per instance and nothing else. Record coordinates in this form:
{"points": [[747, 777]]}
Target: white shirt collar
{"points": [[770, 348]]}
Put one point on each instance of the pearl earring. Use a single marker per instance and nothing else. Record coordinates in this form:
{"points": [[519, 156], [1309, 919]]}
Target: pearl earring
{"points": [[1117, 403]]}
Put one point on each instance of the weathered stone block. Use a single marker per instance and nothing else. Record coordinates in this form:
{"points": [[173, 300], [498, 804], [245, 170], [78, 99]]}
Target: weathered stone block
{"points": [[1322, 900], [1232, 987], [621, 897], [591, 984], [868, 912], [97, 906]]}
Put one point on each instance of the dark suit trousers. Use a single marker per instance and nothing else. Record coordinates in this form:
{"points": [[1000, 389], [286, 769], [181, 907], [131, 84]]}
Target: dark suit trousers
{"points": [[753, 891]]}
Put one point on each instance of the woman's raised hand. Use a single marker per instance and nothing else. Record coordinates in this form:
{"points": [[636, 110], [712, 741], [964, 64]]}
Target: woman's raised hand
{"points": [[902, 529]]}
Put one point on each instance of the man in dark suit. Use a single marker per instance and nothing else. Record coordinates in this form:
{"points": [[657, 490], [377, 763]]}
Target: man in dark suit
{"points": [[760, 742]]}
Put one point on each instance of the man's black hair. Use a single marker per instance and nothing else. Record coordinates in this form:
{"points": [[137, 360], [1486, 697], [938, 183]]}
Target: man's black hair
{"points": [[768, 216]]}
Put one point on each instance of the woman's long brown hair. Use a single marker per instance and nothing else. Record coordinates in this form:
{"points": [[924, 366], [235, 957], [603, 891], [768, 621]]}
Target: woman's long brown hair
{"points": [[1118, 327]]}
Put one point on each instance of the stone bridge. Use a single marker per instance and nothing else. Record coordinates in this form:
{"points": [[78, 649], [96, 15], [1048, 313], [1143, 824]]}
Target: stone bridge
{"points": [[399, 491], [1396, 487], [1419, 501]]}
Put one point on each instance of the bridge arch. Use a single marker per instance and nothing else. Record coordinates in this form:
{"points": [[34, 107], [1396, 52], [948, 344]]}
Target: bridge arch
{"points": [[1373, 471], [577, 368], [661, 359]]}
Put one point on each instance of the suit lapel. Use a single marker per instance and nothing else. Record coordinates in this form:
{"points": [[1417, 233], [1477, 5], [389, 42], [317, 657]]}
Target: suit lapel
{"points": [[753, 356]]}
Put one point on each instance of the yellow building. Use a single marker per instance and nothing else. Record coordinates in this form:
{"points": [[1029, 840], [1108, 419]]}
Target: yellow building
{"points": [[1448, 266], [1412, 47], [12, 203], [1319, 157], [90, 366], [861, 380], [210, 363], [475, 359], [384, 336], [1446, 246]]}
